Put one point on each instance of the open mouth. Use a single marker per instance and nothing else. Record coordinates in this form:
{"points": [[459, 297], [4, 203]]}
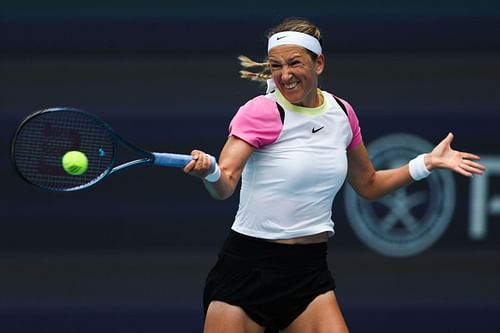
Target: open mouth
{"points": [[291, 85]]}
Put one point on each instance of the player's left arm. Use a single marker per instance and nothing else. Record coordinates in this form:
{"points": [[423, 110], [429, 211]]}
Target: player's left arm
{"points": [[369, 183], [372, 184]]}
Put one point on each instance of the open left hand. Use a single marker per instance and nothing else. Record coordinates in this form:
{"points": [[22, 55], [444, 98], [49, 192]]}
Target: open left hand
{"points": [[445, 157]]}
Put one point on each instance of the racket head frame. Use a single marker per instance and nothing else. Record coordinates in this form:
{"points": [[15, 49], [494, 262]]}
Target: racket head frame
{"points": [[114, 138], [110, 136]]}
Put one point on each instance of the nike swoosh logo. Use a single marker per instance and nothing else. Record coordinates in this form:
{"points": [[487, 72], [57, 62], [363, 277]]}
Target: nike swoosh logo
{"points": [[315, 130], [278, 38]]}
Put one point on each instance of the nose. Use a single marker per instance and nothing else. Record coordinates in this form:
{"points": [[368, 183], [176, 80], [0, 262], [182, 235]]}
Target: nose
{"points": [[286, 73]]}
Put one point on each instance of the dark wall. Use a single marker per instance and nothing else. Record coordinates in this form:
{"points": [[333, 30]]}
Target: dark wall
{"points": [[131, 253]]}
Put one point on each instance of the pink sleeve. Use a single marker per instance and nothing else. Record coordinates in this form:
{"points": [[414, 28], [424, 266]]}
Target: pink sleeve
{"points": [[354, 123], [257, 122]]}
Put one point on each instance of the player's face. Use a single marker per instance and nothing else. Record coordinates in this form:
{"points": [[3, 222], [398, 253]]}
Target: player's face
{"points": [[295, 74]]}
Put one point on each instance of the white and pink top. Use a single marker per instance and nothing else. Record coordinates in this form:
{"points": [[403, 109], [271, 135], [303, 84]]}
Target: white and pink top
{"points": [[291, 179]]}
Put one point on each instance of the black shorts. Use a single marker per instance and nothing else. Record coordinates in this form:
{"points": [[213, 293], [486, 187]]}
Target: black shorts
{"points": [[273, 283]]}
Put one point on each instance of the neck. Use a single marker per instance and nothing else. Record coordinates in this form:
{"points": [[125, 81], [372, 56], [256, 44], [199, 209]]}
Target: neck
{"points": [[320, 97]]}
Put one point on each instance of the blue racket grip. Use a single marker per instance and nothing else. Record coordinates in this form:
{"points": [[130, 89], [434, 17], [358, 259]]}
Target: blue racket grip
{"points": [[178, 160]]}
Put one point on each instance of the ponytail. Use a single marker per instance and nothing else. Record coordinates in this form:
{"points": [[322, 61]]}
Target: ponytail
{"points": [[263, 75]]}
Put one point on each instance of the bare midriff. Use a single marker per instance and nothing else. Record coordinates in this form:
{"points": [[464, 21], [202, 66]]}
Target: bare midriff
{"points": [[312, 239]]}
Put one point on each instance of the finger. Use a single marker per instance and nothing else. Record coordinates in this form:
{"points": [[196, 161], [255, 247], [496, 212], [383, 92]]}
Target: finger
{"points": [[461, 169], [470, 156], [190, 166], [465, 173], [198, 158], [474, 164], [195, 154], [202, 161], [449, 138], [473, 167], [198, 165], [206, 163]]}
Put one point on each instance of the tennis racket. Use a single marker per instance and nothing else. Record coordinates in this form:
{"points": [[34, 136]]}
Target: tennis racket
{"points": [[42, 139]]}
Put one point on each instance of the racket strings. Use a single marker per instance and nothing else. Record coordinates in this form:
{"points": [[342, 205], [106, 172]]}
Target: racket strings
{"points": [[43, 140]]}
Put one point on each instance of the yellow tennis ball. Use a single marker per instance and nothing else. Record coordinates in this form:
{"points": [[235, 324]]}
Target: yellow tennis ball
{"points": [[75, 162]]}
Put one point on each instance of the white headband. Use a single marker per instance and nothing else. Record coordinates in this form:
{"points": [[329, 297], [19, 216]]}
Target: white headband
{"points": [[295, 38]]}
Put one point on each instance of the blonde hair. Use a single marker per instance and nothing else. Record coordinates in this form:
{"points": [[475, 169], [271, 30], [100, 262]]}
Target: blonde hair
{"points": [[290, 24]]}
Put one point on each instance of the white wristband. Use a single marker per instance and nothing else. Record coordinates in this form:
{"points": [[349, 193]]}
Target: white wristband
{"points": [[417, 168], [214, 175]]}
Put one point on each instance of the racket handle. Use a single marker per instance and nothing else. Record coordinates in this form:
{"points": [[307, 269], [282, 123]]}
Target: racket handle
{"points": [[178, 160]]}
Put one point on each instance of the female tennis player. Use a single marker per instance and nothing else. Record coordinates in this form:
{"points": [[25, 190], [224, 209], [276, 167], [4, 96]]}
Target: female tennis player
{"points": [[293, 148]]}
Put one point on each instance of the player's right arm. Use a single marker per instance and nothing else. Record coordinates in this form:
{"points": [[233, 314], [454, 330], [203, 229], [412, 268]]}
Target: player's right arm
{"points": [[232, 159]]}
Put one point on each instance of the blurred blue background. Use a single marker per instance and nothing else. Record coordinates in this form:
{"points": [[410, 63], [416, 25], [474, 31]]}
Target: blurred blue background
{"points": [[131, 254]]}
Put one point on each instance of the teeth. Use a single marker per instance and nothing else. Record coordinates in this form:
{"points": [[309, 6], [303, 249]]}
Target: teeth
{"points": [[291, 85]]}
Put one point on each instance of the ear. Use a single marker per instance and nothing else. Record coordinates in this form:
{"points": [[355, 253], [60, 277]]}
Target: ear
{"points": [[320, 64]]}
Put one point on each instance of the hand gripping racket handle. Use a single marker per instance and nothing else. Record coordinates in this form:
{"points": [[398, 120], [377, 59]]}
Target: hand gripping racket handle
{"points": [[178, 160]]}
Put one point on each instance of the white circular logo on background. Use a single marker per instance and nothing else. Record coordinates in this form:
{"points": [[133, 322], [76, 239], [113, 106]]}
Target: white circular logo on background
{"points": [[411, 219]]}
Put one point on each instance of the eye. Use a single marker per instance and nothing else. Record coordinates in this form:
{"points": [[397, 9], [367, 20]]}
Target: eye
{"points": [[295, 63], [275, 66]]}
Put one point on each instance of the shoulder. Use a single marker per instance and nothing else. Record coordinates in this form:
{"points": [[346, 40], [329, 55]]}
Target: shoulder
{"points": [[258, 121], [260, 106], [344, 104], [352, 119]]}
